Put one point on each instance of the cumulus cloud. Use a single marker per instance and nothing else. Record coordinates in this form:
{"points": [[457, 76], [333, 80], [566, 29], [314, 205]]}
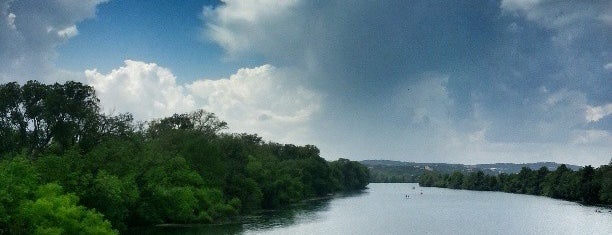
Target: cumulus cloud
{"points": [[30, 30], [262, 100], [143, 89]]}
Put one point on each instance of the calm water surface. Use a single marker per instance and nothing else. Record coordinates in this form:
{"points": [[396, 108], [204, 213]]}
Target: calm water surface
{"points": [[384, 209]]}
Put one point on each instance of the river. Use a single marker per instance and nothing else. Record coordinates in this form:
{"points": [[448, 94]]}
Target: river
{"points": [[385, 209]]}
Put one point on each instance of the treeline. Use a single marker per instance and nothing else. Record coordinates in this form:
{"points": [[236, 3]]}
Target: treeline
{"points": [[394, 174], [66, 168], [588, 185]]}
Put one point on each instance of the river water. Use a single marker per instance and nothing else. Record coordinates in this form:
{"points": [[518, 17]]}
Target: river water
{"points": [[385, 209]]}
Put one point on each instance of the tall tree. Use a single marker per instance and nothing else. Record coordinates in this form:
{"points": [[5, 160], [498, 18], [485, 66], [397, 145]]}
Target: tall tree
{"points": [[35, 116]]}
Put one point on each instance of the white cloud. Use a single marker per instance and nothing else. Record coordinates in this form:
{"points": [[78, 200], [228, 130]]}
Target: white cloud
{"points": [[68, 32], [596, 113], [608, 66], [145, 90], [262, 100], [10, 20]]}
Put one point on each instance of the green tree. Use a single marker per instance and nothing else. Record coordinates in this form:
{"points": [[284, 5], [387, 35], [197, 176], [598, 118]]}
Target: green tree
{"points": [[53, 212], [455, 180], [36, 116], [561, 183], [18, 182], [353, 175], [12, 124], [540, 177], [589, 187], [200, 121], [605, 194], [112, 196]]}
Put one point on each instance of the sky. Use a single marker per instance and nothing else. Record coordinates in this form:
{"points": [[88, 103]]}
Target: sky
{"points": [[479, 81]]}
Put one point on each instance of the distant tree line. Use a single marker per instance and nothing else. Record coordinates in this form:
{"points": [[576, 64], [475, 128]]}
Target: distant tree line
{"points": [[394, 174], [588, 185], [388, 171], [66, 168]]}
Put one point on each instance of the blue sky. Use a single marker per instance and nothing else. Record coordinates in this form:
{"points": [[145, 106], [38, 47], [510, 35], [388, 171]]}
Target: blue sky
{"points": [[161, 31], [428, 81]]}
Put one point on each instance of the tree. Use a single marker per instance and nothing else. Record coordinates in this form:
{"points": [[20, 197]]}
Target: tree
{"points": [[589, 187], [37, 129], [18, 182], [200, 121], [36, 116], [53, 212], [353, 175], [561, 183], [179, 169], [12, 122], [605, 194], [455, 180], [112, 196]]}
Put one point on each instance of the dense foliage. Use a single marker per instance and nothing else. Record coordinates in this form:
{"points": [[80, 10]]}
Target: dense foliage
{"points": [[65, 168], [587, 185]]}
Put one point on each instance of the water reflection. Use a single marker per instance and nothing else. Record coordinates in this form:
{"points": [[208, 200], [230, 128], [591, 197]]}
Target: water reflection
{"points": [[189, 230], [384, 209], [299, 213]]}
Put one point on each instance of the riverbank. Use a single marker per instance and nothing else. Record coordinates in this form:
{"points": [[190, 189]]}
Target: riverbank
{"points": [[588, 185], [382, 209]]}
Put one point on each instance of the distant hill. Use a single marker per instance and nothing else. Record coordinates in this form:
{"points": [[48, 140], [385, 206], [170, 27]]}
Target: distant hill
{"points": [[398, 171]]}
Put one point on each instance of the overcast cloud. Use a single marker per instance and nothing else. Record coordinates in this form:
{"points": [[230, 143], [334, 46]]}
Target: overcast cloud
{"points": [[478, 81]]}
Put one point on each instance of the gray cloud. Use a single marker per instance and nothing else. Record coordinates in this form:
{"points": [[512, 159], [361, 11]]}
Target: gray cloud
{"points": [[30, 30], [515, 75]]}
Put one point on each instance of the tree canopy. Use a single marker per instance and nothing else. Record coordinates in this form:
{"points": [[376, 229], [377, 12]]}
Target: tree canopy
{"points": [[66, 168], [587, 185]]}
